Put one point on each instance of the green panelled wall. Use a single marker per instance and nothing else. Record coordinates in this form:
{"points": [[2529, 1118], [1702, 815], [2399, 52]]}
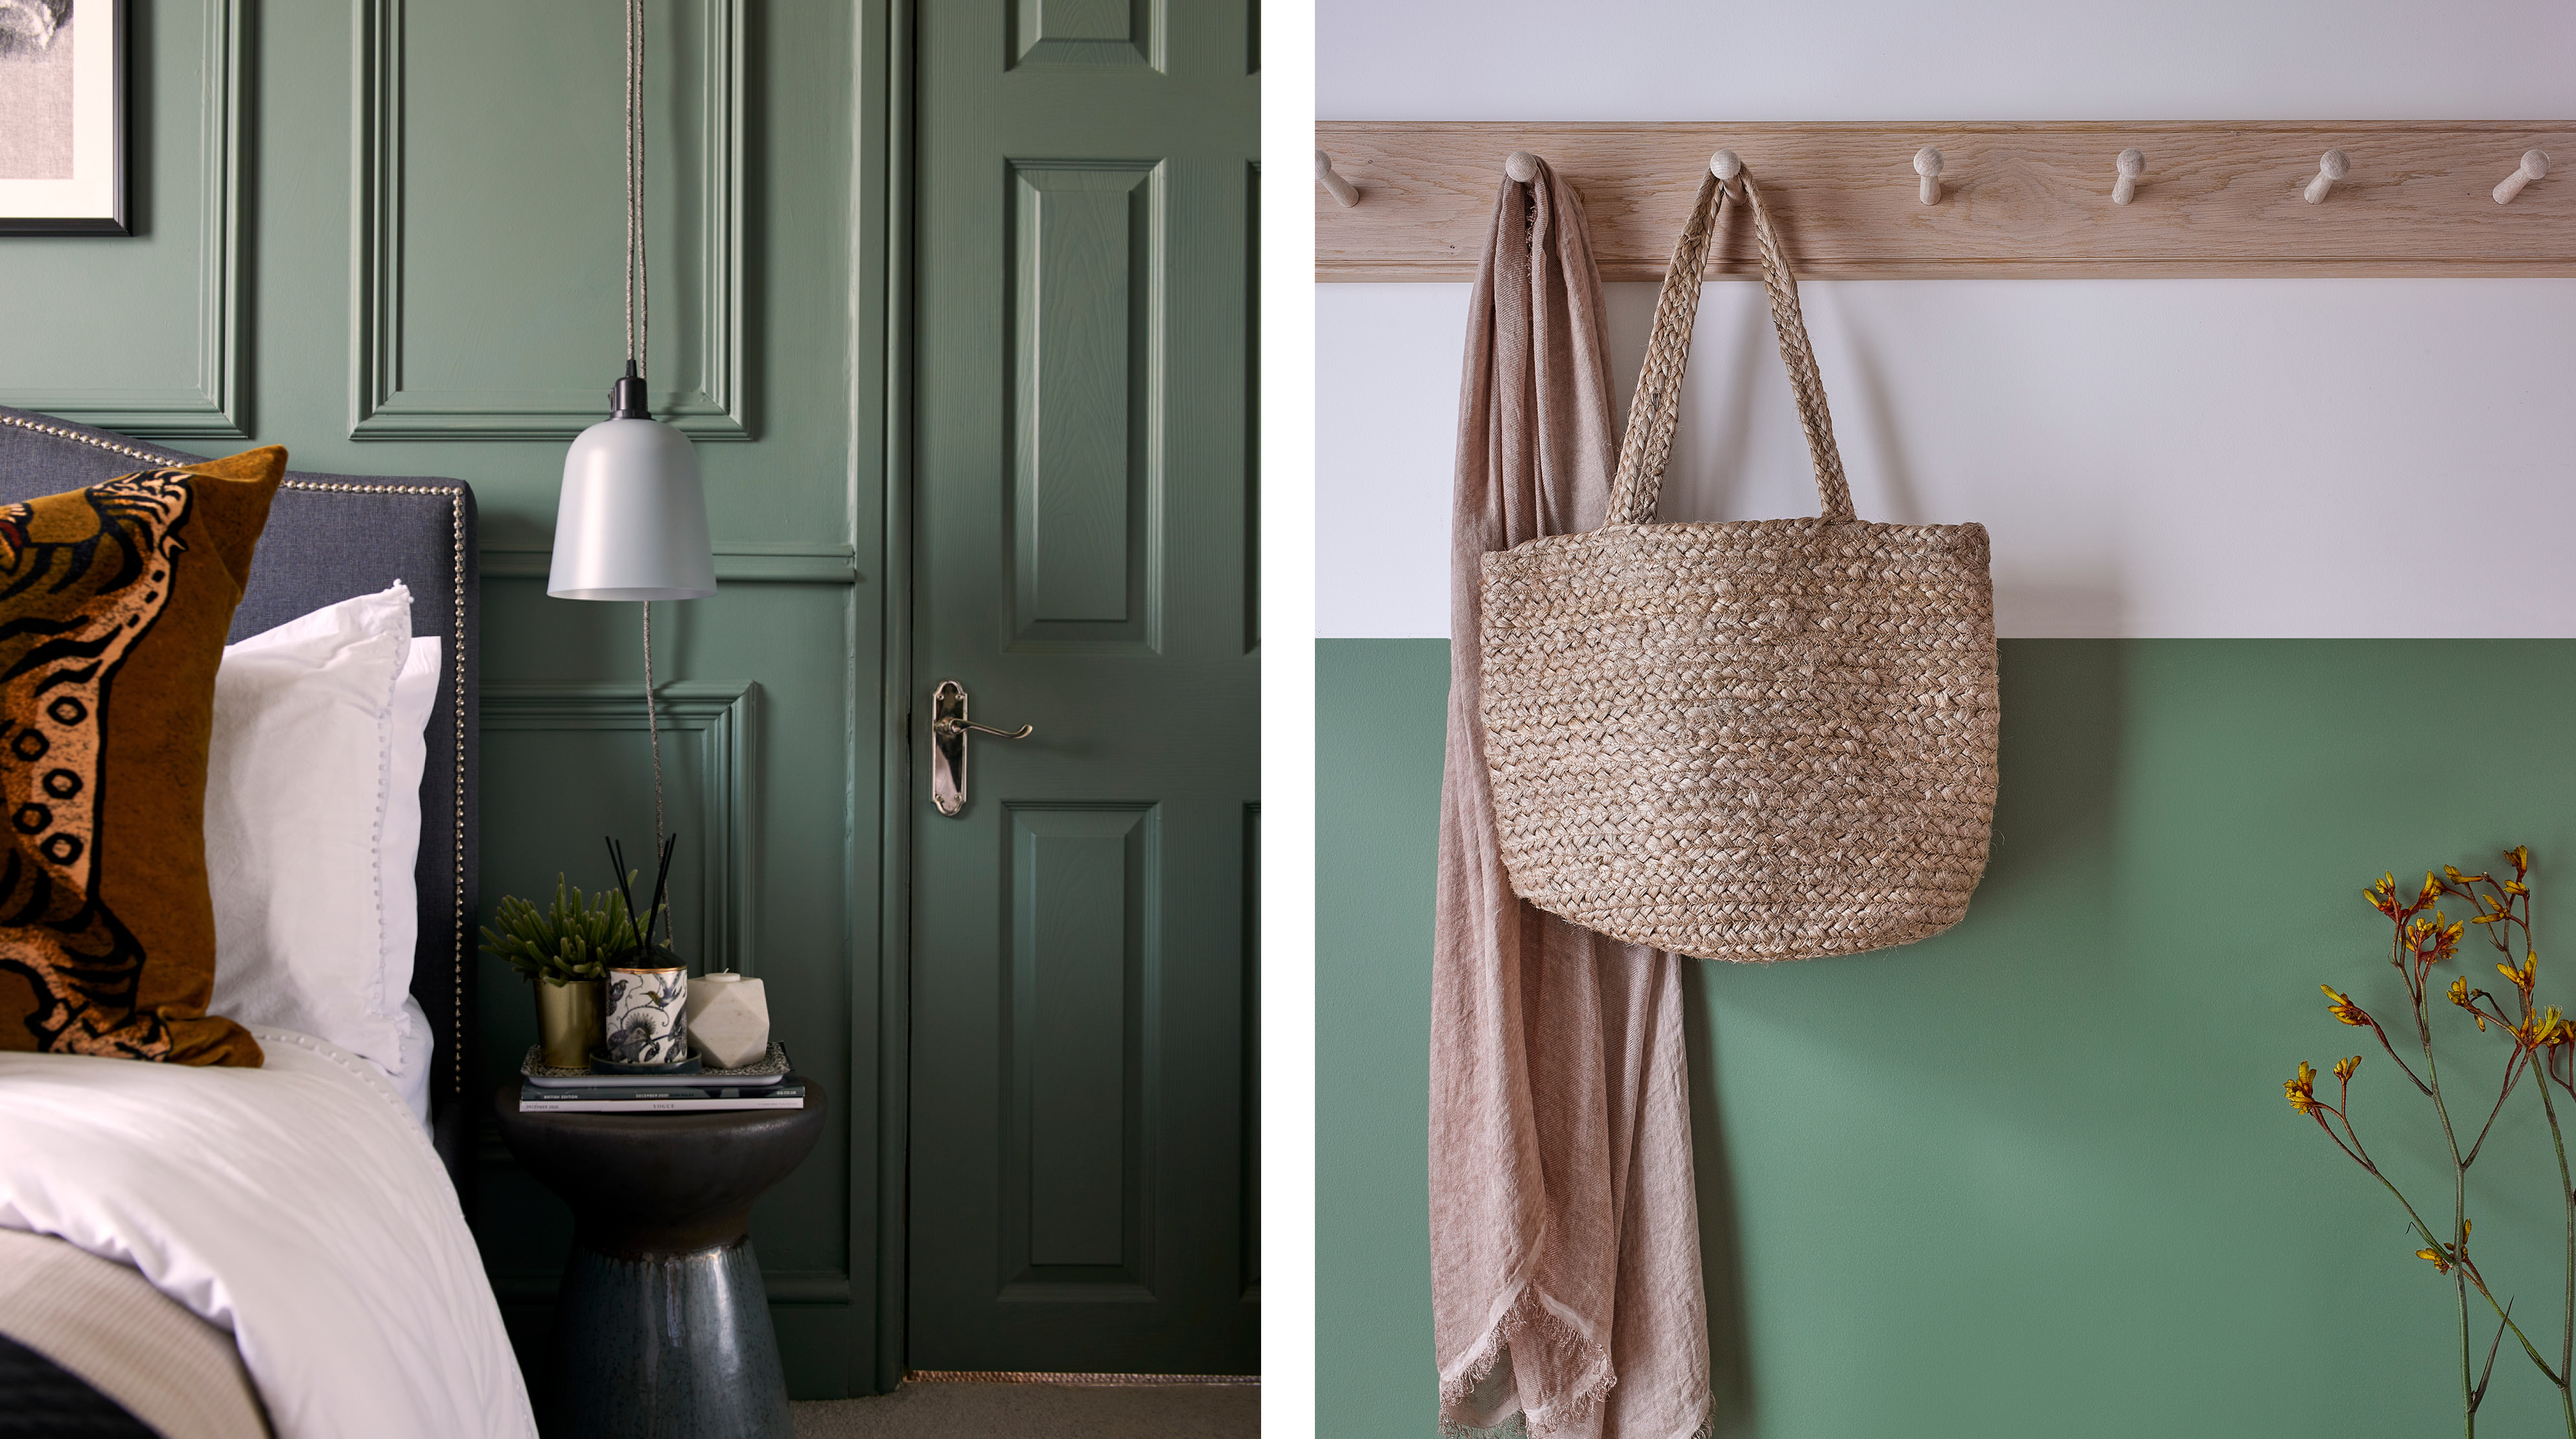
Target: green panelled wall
{"points": [[2035, 1176], [402, 218]]}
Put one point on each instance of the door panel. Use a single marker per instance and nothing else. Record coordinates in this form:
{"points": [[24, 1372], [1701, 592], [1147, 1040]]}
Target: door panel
{"points": [[1080, 954], [1080, 1178], [1085, 454]]}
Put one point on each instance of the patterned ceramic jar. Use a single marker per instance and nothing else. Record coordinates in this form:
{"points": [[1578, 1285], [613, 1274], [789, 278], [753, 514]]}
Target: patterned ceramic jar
{"points": [[648, 1019]]}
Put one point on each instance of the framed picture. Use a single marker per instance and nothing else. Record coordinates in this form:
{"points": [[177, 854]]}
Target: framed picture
{"points": [[62, 117]]}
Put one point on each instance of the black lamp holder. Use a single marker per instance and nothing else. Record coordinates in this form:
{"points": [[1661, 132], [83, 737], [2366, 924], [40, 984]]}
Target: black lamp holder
{"points": [[626, 397]]}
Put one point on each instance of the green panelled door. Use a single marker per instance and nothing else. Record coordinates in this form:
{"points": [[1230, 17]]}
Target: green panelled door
{"points": [[1080, 932]]}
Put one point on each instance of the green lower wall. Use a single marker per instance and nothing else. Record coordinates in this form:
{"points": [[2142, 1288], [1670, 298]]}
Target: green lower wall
{"points": [[2034, 1176]]}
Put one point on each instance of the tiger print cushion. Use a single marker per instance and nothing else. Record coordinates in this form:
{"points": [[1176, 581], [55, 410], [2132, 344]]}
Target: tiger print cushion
{"points": [[114, 601]]}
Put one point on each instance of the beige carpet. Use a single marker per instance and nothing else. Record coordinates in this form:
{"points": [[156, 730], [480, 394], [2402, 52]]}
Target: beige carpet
{"points": [[1057, 1411]]}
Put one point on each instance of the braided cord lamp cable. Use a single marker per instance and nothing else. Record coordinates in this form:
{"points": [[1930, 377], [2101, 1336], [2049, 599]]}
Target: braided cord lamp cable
{"points": [[639, 337]]}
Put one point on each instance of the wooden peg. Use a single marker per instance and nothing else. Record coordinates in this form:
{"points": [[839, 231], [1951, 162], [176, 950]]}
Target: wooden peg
{"points": [[1341, 190], [1927, 163], [2535, 163], [2133, 163], [2332, 167], [1725, 167], [1520, 167]]}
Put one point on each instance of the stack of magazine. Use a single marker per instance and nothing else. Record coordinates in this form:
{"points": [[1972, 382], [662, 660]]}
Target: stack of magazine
{"points": [[767, 1084]]}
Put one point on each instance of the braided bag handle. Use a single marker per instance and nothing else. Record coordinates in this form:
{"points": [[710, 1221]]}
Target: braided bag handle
{"points": [[1656, 409]]}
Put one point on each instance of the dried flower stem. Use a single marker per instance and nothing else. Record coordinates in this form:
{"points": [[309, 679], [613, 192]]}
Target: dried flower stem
{"points": [[2544, 1044]]}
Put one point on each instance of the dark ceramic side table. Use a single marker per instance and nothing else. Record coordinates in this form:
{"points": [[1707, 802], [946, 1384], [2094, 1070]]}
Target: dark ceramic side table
{"points": [[662, 1327]]}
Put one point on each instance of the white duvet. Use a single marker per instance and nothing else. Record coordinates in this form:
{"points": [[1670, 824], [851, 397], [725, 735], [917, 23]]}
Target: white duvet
{"points": [[298, 1205]]}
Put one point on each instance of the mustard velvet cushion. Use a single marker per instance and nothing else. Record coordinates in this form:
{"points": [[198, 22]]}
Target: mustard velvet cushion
{"points": [[114, 603]]}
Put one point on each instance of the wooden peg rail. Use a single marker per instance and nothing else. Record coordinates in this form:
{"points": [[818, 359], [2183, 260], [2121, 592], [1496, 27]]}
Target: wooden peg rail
{"points": [[2214, 200]]}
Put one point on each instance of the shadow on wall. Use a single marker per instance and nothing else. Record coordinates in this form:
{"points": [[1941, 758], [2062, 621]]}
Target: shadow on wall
{"points": [[2060, 791], [1717, 471], [2068, 797], [1721, 1246], [1706, 475], [1875, 413]]}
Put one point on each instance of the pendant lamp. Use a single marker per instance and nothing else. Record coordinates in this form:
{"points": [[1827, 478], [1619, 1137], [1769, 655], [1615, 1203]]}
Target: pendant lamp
{"points": [[631, 521]]}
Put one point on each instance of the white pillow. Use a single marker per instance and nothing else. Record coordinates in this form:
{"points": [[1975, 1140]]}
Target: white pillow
{"points": [[411, 1074], [313, 826], [415, 695]]}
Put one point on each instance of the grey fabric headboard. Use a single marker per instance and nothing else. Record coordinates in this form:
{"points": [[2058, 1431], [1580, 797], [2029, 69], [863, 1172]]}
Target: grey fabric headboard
{"points": [[330, 538]]}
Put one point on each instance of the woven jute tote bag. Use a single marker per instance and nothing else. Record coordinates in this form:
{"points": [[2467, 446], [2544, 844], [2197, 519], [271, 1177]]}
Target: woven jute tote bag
{"points": [[1756, 740]]}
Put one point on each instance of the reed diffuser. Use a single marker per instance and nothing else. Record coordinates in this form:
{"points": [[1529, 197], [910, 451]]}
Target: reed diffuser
{"points": [[648, 986]]}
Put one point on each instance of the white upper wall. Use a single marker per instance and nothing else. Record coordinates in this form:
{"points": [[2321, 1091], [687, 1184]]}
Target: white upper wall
{"points": [[1962, 60], [2154, 457]]}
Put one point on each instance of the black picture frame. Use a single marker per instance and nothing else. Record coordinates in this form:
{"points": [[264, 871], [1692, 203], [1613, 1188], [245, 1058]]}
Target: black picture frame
{"points": [[115, 220]]}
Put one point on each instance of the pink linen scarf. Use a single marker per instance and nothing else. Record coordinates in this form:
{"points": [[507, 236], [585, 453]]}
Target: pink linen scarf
{"points": [[1564, 1227]]}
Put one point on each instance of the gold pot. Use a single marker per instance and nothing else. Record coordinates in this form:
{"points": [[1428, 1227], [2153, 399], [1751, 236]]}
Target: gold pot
{"points": [[568, 1022]]}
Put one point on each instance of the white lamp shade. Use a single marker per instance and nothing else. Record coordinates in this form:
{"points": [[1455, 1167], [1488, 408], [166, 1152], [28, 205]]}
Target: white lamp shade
{"points": [[632, 520]]}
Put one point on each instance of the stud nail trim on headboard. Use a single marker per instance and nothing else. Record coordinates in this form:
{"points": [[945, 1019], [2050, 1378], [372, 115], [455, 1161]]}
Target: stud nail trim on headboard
{"points": [[456, 518], [455, 496]]}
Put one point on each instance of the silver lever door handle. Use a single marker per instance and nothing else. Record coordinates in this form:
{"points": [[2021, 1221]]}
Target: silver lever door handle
{"points": [[948, 730], [953, 725]]}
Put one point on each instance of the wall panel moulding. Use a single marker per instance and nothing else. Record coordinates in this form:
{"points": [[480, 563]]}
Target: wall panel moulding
{"points": [[2210, 200], [471, 249]]}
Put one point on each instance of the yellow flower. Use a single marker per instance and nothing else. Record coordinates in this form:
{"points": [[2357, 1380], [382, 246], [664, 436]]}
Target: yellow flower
{"points": [[2302, 1090], [2342, 1007], [2542, 1029], [2345, 1067], [2432, 886], [2521, 856], [2441, 1262], [2460, 991]]}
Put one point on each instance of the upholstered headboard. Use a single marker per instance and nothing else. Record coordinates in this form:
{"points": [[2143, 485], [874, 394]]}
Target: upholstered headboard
{"points": [[330, 538]]}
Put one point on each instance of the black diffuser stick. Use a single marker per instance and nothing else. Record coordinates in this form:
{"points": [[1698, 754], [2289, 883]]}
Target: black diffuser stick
{"points": [[625, 891], [661, 886]]}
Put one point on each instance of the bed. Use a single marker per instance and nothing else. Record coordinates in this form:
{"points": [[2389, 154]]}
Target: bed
{"points": [[374, 1201]]}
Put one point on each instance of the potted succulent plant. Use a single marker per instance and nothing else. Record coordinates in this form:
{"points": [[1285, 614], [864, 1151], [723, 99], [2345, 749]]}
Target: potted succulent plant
{"points": [[565, 952]]}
